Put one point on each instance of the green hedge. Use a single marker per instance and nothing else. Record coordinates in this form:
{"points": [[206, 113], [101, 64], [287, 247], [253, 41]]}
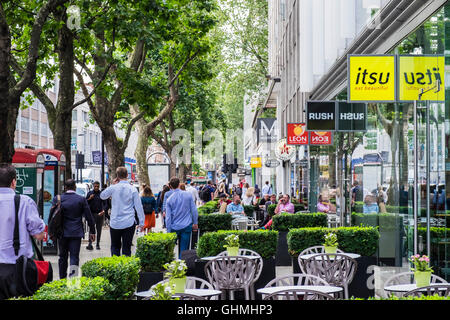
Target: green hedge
{"points": [[121, 272], [286, 221], [360, 240], [82, 288], [248, 210], [214, 222], [154, 250], [264, 242], [385, 221], [209, 207], [392, 297]]}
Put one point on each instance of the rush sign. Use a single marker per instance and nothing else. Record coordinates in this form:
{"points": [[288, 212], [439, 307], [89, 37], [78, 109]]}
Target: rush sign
{"points": [[321, 138], [297, 134]]}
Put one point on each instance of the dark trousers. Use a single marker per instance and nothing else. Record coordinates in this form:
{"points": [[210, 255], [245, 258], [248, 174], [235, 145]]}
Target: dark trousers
{"points": [[121, 239], [98, 227], [8, 287], [66, 246], [184, 239]]}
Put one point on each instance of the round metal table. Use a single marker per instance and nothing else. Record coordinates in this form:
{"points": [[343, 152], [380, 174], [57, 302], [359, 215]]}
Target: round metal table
{"points": [[350, 255], [197, 292], [323, 289], [403, 288], [215, 257]]}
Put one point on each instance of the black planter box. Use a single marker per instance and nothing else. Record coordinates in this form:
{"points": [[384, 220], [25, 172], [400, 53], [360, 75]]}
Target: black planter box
{"points": [[295, 266], [363, 283], [147, 279], [282, 257], [200, 269]]}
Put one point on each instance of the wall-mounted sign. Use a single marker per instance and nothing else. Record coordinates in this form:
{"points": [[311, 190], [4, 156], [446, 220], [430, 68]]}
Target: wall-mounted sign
{"points": [[320, 138], [271, 163], [371, 78], [297, 134], [283, 151], [321, 115], [255, 162], [351, 116], [421, 72], [266, 130]]}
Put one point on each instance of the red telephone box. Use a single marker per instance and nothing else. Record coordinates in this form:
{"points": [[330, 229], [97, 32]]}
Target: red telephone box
{"points": [[29, 166], [54, 177]]}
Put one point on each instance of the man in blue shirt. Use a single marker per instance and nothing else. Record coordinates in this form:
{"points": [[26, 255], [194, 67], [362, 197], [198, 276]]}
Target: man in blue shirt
{"points": [[181, 215], [235, 208], [124, 201]]}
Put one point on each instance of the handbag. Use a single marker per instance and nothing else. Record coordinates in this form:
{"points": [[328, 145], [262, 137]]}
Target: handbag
{"points": [[31, 274]]}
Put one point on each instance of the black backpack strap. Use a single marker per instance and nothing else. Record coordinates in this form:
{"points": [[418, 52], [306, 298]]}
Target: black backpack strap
{"points": [[16, 241]]}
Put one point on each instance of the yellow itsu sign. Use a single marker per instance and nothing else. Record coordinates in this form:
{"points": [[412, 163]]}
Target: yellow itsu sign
{"points": [[371, 78], [421, 72], [255, 162]]}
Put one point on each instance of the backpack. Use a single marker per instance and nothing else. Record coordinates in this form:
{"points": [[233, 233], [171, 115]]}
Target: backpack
{"points": [[55, 221], [148, 207], [205, 194]]}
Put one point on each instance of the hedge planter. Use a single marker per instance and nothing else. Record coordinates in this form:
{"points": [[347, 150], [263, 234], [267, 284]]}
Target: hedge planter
{"points": [[213, 222], [363, 283], [287, 221], [282, 257], [268, 273], [148, 279], [154, 250]]}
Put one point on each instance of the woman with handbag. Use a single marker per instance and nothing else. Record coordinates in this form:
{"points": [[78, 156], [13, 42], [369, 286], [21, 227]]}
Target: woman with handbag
{"points": [[149, 205]]}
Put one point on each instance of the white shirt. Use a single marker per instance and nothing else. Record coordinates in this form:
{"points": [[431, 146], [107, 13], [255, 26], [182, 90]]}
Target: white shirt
{"points": [[248, 201], [193, 192], [266, 189]]}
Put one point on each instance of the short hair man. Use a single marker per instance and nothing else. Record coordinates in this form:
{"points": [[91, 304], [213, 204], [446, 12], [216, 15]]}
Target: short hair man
{"points": [[124, 201], [181, 215], [29, 224], [98, 208]]}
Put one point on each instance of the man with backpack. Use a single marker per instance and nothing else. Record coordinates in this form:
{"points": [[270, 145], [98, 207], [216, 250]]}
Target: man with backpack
{"points": [[98, 209], [207, 192], [29, 224]]}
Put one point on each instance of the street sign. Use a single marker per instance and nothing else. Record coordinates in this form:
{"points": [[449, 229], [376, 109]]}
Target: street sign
{"points": [[266, 130], [351, 116], [320, 138], [371, 78], [283, 151], [255, 162], [272, 163], [321, 115], [421, 72], [297, 134]]}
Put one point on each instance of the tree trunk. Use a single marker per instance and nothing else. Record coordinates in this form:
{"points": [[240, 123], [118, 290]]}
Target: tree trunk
{"points": [[141, 149], [116, 157], [173, 170]]}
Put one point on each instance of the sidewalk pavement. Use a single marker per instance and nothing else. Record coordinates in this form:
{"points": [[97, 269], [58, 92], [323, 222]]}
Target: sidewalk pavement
{"points": [[105, 251]]}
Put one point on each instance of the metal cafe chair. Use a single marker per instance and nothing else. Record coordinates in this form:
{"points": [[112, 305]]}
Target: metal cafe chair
{"points": [[311, 250], [299, 294], [443, 290], [408, 278], [259, 266], [336, 269], [231, 273]]}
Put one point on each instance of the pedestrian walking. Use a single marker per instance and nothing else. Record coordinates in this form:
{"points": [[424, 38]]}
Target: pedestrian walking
{"points": [[181, 215], [160, 203], [74, 207], [266, 189], [29, 224], [149, 205], [125, 201], [98, 208], [193, 191]]}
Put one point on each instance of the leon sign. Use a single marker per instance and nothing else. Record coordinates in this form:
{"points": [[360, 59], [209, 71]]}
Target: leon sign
{"points": [[371, 78], [297, 134], [321, 138]]}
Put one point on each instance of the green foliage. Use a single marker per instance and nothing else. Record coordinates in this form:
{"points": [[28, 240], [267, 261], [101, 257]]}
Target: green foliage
{"points": [[360, 240], [299, 207], [385, 221], [261, 241], [286, 221], [163, 291], [121, 272], [214, 222], [393, 297], [271, 209], [154, 250], [175, 269], [248, 210], [209, 207], [82, 288]]}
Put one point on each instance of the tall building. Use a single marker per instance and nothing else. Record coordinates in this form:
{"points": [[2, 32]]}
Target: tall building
{"points": [[309, 43]]}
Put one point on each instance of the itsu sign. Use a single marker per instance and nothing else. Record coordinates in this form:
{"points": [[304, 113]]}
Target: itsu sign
{"points": [[297, 134]]}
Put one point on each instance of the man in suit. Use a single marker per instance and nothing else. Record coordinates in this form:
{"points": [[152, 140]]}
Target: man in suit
{"points": [[73, 207], [98, 208]]}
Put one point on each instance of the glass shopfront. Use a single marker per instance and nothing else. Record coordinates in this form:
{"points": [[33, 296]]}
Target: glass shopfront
{"points": [[379, 165]]}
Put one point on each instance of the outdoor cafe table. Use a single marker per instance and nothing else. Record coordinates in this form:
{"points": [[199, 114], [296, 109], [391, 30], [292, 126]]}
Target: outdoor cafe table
{"points": [[404, 288], [215, 257], [323, 289], [350, 255], [197, 292]]}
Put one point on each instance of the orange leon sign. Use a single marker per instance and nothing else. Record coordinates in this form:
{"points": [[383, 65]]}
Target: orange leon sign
{"points": [[297, 134]]}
